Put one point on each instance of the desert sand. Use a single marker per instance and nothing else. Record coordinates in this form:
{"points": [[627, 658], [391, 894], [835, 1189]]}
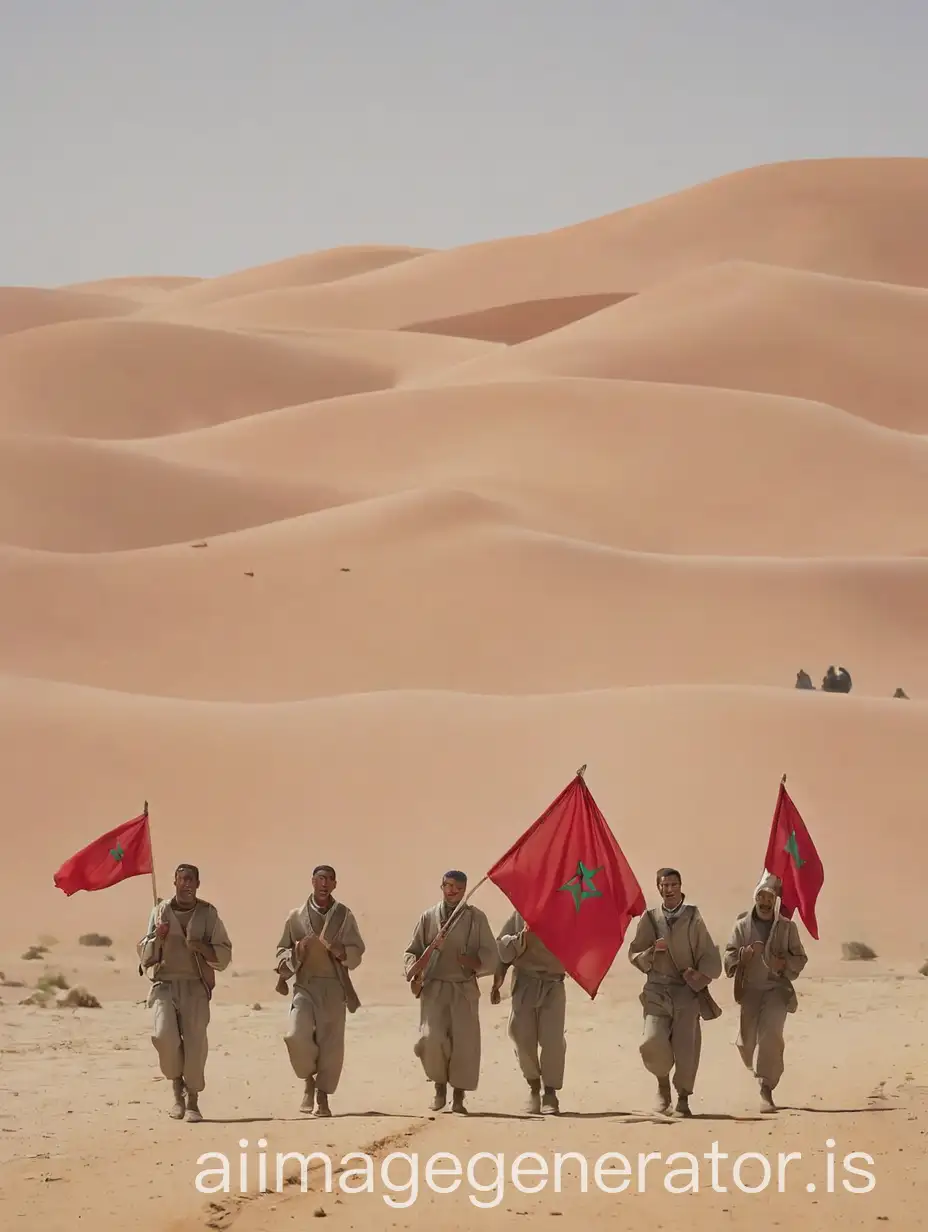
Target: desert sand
{"points": [[356, 557]]}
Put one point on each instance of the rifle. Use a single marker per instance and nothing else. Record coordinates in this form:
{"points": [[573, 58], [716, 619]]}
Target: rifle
{"points": [[416, 973]]}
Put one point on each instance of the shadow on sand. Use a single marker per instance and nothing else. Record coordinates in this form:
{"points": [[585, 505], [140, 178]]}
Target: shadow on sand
{"points": [[837, 1111], [308, 1117], [627, 1116]]}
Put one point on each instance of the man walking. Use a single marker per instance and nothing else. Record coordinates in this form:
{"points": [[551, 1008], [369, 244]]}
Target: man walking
{"points": [[185, 945], [319, 946], [763, 956], [537, 1011], [449, 996], [672, 945]]}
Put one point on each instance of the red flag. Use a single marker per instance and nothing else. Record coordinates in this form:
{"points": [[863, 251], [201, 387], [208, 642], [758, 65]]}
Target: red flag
{"points": [[572, 885], [791, 856], [109, 859]]}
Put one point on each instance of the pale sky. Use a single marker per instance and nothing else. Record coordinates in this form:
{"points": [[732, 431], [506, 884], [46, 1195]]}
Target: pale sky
{"points": [[202, 136]]}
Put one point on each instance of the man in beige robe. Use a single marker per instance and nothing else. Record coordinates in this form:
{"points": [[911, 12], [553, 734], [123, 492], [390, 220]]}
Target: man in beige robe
{"points": [[449, 996], [537, 1011], [320, 944], [672, 945], [185, 944], [763, 956]]}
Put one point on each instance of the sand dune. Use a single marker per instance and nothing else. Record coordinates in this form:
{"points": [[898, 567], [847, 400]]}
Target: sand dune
{"points": [[848, 217], [852, 218], [307, 270], [119, 379], [139, 290], [31, 307], [358, 555], [639, 465], [443, 594], [751, 327], [409, 357], [511, 323], [133, 284], [50, 492]]}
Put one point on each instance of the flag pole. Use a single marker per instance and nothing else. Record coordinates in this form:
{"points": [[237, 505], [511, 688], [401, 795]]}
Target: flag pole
{"points": [[471, 891], [459, 907], [420, 963], [779, 900], [429, 949], [154, 884]]}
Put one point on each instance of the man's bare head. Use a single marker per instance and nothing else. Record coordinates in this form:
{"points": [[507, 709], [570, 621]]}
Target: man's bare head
{"points": [[324, 883], [670, 887], [186, 884], [453, 886]]}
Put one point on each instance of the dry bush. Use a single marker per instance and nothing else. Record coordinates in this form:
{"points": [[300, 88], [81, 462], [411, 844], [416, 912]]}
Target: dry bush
{"points": [[48, 982], [79, 998], [41, 997], [856, 951], [95, 939]]}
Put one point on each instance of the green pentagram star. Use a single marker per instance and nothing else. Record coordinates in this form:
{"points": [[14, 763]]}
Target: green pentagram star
{"points": [[117, 852], [792, 848], [581, 885]]}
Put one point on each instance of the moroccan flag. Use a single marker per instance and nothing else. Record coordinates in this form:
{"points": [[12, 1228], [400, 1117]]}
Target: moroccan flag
{"points": [[111, 858], [792, 857], [572, 885]]}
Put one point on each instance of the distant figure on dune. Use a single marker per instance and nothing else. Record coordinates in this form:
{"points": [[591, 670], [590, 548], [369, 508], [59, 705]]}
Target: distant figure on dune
{"points": [[763, 956], [901, 693], [185, 944], [448, 1046], [804, 681], [836, 681], [320, 944]]}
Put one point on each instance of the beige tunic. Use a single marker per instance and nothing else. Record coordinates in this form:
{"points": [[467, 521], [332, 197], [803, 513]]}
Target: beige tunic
{"points": [[449, 1019], [182, 985], [767, 997], [672, 1033], [323, 992], [538, 1005]]}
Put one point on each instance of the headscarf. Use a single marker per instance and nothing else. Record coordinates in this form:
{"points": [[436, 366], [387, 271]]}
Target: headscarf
{"points": [[771, 884]]}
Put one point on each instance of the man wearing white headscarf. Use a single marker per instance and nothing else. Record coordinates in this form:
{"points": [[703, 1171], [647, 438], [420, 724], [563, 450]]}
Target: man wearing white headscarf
{"points": [[763, 956]]}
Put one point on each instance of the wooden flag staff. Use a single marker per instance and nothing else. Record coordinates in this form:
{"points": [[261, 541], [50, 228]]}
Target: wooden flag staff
{"points": [[413, 975], [418, 967], [154, 884]]}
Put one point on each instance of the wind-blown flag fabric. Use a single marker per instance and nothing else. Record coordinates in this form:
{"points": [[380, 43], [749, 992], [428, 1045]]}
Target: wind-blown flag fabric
{"points": [[568, 878]]}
